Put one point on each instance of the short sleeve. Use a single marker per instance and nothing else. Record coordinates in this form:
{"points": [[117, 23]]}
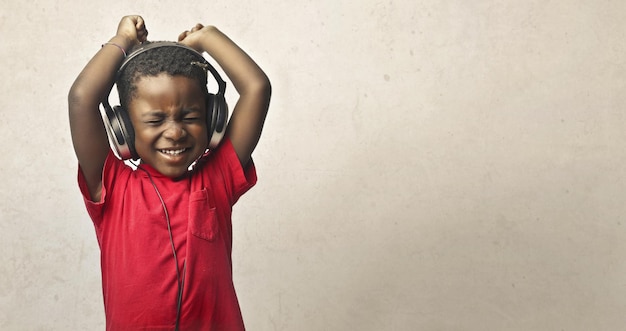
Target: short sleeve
{"points": [[225, 164], [113, 168]]}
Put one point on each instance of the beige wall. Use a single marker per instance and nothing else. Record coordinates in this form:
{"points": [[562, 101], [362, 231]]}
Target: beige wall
{"points": [[426, 165]]}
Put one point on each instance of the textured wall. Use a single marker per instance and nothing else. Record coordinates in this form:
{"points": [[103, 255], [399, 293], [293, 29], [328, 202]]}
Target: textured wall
{"points": [[426, 165]]}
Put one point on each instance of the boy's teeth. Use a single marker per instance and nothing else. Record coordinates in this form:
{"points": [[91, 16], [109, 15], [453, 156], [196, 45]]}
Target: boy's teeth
{"points": [[172, 152]]}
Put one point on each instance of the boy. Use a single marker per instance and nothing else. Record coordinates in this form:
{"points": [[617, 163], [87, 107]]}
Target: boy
{"points": [[164, 230]]}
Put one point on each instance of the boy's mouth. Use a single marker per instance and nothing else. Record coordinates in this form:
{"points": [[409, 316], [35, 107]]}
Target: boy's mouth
{"points": [[173, 152]]}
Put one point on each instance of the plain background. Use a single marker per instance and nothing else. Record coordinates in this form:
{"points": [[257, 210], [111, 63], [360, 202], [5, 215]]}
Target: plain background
{"points": [[426, 165]]}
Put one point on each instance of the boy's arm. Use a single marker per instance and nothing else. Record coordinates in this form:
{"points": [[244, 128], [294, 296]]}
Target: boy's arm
{"points": [[253, 86], [91, 86]]}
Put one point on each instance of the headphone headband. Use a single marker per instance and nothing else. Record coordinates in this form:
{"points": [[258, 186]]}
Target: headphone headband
{"points": [[158, 44], [221, 84]]}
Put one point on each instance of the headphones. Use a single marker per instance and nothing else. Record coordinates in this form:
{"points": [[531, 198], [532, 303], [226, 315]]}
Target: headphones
{"points": [[117, 122]]}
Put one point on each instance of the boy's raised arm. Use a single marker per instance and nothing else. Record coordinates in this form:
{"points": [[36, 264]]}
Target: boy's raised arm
{"points": [[253, 86], [91, 86]]}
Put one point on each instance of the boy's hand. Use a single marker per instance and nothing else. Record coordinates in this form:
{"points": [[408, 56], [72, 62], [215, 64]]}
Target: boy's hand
{"points": [[194, 37], [133, 29]]}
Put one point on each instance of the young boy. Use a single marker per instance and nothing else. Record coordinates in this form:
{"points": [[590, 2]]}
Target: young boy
{"points": [[164, 229]]}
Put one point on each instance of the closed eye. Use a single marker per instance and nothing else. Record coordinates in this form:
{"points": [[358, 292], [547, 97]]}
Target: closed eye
{"points": [[191, 119], [154, 122], [192, 116]]}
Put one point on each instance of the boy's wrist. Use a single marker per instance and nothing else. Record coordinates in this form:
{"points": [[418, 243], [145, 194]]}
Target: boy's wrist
{"points": [[124, 43], [116, 45], [208, 40]]}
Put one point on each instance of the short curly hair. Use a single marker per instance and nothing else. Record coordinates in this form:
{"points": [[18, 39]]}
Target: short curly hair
{"points": [[174, 61]]}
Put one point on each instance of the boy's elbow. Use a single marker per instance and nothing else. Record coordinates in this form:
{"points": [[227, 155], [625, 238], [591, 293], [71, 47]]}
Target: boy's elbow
{"points": [[264, 87], [267, 89], [76, 96], [260, 89], [80, 98], [266, 94], [260, 82]]}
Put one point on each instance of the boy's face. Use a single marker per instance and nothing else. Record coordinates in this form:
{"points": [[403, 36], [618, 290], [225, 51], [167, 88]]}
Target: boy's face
{"points": [[169, 117]]}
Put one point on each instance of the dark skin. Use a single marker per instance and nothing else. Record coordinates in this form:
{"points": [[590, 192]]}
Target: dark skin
{"points": [[97, 78], [168, 114]]}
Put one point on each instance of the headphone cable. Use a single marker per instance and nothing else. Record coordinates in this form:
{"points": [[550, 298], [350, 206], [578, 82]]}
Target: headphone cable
{"points": [[180, 281]]}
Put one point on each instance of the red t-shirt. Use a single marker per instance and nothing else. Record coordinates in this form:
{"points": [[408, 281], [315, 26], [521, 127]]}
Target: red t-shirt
{"points": [[139, 280]]}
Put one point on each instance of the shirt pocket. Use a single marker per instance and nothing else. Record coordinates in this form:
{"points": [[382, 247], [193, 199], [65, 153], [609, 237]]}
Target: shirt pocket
{"points": [[202, 216]]}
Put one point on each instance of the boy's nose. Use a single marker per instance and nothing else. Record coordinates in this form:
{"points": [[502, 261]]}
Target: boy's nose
{"points": [[175, 131]]}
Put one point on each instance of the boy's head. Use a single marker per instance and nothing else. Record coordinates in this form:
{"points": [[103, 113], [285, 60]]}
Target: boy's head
{"points": [[164, 91], [174, 61]]}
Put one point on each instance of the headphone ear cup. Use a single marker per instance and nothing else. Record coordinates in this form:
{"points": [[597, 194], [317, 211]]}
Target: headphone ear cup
{"points": [[128, 131], [217, 118], [119, 131]]}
